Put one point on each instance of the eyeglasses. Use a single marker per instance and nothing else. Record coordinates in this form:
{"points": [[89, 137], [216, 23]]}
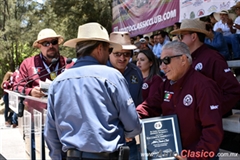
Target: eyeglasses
{"points": [[125, 54], [167, 60], [47, 43]]}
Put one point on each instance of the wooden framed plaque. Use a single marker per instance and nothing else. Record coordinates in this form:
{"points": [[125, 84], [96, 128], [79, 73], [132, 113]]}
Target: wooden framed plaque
{"points": [[160, 138]]}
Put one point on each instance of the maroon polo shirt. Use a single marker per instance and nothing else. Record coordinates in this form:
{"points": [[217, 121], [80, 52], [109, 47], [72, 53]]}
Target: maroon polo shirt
{"points": [[150, 87], [195, 100], [210, 63], [31, 66]]}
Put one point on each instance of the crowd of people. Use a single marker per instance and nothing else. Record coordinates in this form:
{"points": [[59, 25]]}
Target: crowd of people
{"points": [[116, 81]]}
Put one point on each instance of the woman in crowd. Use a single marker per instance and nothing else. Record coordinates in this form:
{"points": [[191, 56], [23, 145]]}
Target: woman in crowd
{"points": [[218, 42], [147, 63]]}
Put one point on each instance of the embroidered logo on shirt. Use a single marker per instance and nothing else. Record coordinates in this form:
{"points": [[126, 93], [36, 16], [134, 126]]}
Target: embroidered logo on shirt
{"points": [[168, 95], [134, 79], [199, 67], [212, 107], [187, 100], [227, 70], [129, 101], [145, 86], [158, 125], [36, 69]]}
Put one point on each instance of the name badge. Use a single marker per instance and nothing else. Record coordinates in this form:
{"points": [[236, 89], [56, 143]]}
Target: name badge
{"points": [[53, 75]]}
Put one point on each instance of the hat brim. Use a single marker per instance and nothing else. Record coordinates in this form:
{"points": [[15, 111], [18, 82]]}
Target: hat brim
{"points": [[236, 6], [72, 43], [179, 31], [60, 40], [129, 47], [217, 15]]}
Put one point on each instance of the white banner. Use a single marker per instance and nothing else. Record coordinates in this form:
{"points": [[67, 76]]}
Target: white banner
{"points": [[190, 9]]}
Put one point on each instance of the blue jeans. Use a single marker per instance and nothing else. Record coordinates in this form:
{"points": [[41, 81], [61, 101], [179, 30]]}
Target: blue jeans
{"points": [[7, 116], [233, 40], [15, 119], [134, 150]]}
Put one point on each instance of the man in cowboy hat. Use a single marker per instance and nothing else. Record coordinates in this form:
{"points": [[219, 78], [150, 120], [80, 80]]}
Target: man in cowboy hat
{"points": [[225, 26], [191, 96], [90, 110], [46, 65], [209, 62], [34, 68], [119, 59]]}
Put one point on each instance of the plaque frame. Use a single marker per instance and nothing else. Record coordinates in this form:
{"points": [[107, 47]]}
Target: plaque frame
{"points": [[176, 138]]}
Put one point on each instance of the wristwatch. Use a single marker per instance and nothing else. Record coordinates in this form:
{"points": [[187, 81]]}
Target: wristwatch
{"points": [[234, 25]]}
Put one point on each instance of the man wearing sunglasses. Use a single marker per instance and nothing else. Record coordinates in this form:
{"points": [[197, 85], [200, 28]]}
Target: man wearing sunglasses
{"points": [[120, 61], [193, 97], [47, 62], [209, 62]]}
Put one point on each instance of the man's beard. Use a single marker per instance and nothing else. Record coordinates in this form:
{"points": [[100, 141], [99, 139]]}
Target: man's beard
{"points": [[53, 54]]}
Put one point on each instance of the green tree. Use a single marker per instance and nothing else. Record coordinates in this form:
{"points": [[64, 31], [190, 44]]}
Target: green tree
{"points": [[21, 21]]}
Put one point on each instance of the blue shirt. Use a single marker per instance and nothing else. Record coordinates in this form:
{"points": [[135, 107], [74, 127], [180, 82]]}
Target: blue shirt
{"points": [[134, 77], [89, 109], [219, 44], [157, 48]]}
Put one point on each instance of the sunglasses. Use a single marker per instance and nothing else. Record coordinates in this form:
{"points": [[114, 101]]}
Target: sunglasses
{"points": [[167, 60], [110, 50], [47, 43], [180, 36], [119, 54]]}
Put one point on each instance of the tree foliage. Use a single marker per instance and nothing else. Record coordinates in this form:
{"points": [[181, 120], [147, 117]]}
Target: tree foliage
{"points": [[21, 21]]}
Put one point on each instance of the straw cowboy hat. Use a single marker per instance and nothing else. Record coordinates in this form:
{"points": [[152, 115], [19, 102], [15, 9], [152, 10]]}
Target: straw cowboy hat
{"points": [[122, 38], [236, 6], [217, 15], [47, 33], [192, 25], [92, 31]]}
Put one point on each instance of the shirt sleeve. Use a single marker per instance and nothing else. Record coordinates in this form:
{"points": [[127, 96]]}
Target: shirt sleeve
{"points": [[50, 131], [22, 79], [127, 111], [151, 107], [227, 82], [209, 111]]}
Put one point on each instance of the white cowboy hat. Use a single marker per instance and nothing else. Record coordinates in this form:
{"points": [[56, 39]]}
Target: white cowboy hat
{"points": [[92, 31], [217, 15], [122, 38], [192, 25], [47, 33]]}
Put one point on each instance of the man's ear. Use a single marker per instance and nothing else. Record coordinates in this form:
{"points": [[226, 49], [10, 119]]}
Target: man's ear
{"points": [[184, 59], [99, 48], [38, 45], [194, 36]]}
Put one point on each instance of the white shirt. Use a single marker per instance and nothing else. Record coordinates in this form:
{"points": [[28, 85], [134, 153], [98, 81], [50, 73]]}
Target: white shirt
{"points": [[237, 21], [224, 27]]}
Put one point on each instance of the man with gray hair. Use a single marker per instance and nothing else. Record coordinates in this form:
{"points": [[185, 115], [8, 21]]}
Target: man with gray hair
{"points": [[193, 97], [209, 62], [90, 110]]}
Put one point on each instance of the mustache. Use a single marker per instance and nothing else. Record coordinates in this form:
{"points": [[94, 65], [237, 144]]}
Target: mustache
{"points": [[52, 49]]}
